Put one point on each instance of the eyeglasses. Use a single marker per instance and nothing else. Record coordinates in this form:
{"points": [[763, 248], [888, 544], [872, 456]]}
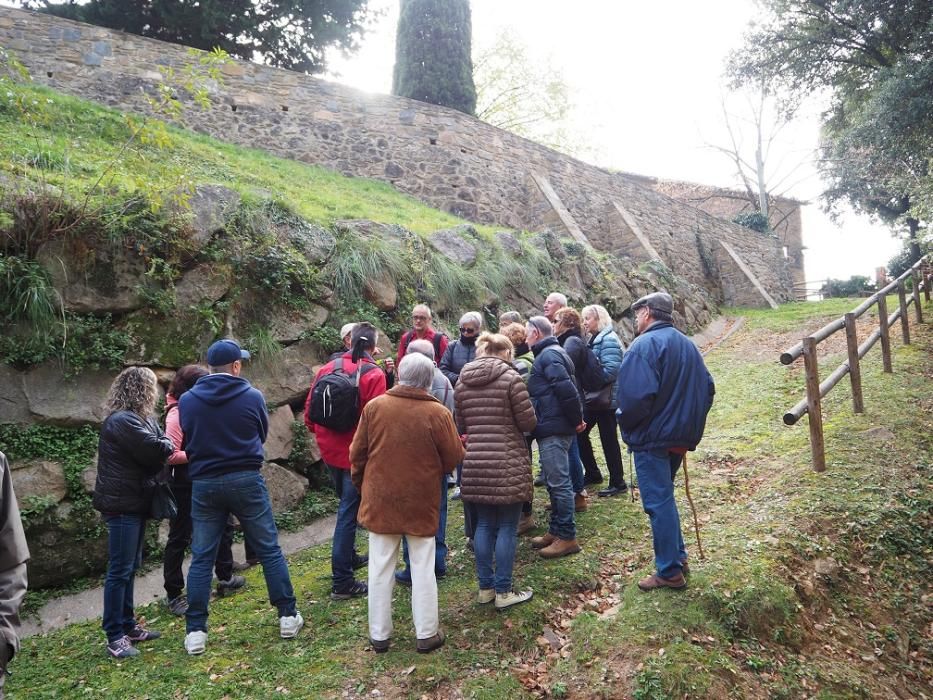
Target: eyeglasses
{"points": [[467, 329], [419, 318]]}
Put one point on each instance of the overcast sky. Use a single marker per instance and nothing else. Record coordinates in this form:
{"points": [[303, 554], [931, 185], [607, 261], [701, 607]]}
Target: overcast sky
{"points": [[646, 81]]}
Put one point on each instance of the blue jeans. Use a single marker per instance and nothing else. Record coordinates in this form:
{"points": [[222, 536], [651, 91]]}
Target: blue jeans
{"points": [[244, 494], [496, 534], [125, 535], [342, 550], [552, 453], [440, 541], [576, 466], [656, 470]]}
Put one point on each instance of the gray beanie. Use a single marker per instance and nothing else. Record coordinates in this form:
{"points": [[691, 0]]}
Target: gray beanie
{"points": [[660, 303]]}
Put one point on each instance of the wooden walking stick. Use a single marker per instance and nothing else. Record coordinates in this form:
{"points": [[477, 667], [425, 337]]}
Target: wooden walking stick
{"points": [[696, 522]]}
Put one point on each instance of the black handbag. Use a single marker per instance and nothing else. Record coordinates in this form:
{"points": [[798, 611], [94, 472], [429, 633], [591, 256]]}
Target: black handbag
{"points": [[162, 503], [599, 399]]}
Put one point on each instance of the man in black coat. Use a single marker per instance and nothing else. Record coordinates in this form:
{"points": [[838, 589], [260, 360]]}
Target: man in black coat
{"points": [[559, 411]]}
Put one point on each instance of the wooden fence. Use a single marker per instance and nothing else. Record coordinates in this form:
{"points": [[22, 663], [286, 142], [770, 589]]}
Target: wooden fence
{"points": [[921, 275]]}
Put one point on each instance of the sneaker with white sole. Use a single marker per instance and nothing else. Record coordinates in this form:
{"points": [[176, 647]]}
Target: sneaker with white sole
{"points": [[122, 648], [507, 600], [486, 595], [195, 642], [290, 626]]}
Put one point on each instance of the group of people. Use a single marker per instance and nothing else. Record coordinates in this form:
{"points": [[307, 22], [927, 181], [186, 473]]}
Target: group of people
{"points": [[391, 435]]}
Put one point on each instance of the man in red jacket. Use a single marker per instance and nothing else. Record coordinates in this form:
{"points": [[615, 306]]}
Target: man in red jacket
{"points": [[422, 330], [335, 451]]}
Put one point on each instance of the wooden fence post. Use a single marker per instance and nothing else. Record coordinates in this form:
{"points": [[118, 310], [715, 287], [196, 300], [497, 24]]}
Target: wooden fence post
{"points": [[905, 321], [918, 310], [928, 279], [812, 370], [855, 373], [885, 335]]}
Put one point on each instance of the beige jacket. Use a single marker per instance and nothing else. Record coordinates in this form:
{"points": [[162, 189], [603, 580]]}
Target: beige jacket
{"points": [[13, 557]]}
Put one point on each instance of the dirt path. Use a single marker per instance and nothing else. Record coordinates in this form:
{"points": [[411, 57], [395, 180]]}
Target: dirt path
{"points": [[88, 604]]}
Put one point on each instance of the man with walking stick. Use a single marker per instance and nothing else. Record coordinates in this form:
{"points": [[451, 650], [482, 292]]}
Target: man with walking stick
{"points": [[664, 395]]}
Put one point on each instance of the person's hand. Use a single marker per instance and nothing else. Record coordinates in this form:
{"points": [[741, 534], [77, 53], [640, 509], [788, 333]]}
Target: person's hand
{"points": [[581, 427], [463, 439], [390, 365]]}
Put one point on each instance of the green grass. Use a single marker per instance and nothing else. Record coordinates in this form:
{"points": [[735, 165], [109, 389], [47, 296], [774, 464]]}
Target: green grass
{"points": [[72, 143], [756, 621]]}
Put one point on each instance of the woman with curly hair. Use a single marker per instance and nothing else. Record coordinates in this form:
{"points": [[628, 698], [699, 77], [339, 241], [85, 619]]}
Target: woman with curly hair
{"points": [[131, 451]]}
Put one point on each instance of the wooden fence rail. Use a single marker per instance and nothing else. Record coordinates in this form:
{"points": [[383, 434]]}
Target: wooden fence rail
{"points": [[921, 275]]}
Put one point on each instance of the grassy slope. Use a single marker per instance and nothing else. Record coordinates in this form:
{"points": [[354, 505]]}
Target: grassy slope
{"points": [[75, 142], [756, 621]]}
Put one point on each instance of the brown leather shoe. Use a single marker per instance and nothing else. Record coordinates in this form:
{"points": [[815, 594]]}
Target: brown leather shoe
{"points": [[526, 524], [654, 581], [426, 646], [579, 503], [543, 541], [560, 548]]}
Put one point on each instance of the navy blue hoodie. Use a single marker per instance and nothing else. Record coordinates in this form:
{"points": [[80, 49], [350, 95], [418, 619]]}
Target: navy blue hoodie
{"points": [[225, 423]]}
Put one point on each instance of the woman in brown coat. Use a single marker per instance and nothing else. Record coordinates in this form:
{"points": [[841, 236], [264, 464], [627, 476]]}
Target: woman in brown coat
{"points": [[405, 441], [494, 411]]}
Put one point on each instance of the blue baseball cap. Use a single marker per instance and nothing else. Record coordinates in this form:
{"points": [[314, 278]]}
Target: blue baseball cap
{"points": [[225, 352]]}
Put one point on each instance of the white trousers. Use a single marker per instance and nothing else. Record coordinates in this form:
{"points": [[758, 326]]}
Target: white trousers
{"points": [[383, 558]]}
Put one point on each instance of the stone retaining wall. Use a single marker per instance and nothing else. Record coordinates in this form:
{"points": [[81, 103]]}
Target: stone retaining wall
{"points": [[442, 157]]}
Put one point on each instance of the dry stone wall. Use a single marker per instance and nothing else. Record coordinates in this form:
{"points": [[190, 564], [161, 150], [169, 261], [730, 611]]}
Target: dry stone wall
{"points": [[444, 158]]}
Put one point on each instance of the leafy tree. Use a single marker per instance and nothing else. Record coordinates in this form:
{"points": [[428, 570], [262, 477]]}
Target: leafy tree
{"points": [[293, 34], [432, 54], [855, 286], [515, 93], [874, 59]]}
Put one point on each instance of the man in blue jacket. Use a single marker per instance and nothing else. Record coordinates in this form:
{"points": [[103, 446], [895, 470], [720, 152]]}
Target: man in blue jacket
{"points": [[225, 423], [664, 394], [559, 411]]}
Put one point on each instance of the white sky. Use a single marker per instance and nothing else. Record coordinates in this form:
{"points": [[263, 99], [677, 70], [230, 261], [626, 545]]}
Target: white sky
{"points": [[646, 82]]}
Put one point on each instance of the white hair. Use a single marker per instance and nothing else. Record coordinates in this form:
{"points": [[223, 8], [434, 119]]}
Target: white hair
{"points": [[422, 347], [542, 325], [416, 370], [474, 317], [422, 307], [558, 297], [602, 316]]}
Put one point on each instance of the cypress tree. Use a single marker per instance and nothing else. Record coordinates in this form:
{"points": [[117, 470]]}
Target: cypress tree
{"points": [[432, 54]]}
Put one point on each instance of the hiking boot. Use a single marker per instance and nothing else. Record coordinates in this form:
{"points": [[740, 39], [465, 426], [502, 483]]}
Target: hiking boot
{"points": [[560, 548], [360, 560], [179, 605], [230, 586], [542, 541], [239, 566], [141, 634], [403, 578], [540, 480], [526, 524], [486, 595], [654, 581], [122, 648], [612, 491], [426, 646], [357, 589], [290, 625], [506, 600], [195, 642], [579, 503], [380, 646]]}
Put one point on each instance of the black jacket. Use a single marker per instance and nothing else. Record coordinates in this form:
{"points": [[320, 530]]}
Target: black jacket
{"points": [[575, 346], [458, 354], [130, 451], [553, 390]]}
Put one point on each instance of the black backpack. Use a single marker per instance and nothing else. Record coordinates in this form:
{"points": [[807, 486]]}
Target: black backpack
{"points": [[591, 374], [335, 399]]}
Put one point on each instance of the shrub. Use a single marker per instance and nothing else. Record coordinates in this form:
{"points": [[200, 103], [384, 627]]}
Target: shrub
{"points": [[754, 220], [857, 285]]}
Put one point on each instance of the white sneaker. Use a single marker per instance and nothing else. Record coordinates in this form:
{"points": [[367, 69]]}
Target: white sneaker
{"points": [[507, 600], [195, 642], [289, 627]]}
